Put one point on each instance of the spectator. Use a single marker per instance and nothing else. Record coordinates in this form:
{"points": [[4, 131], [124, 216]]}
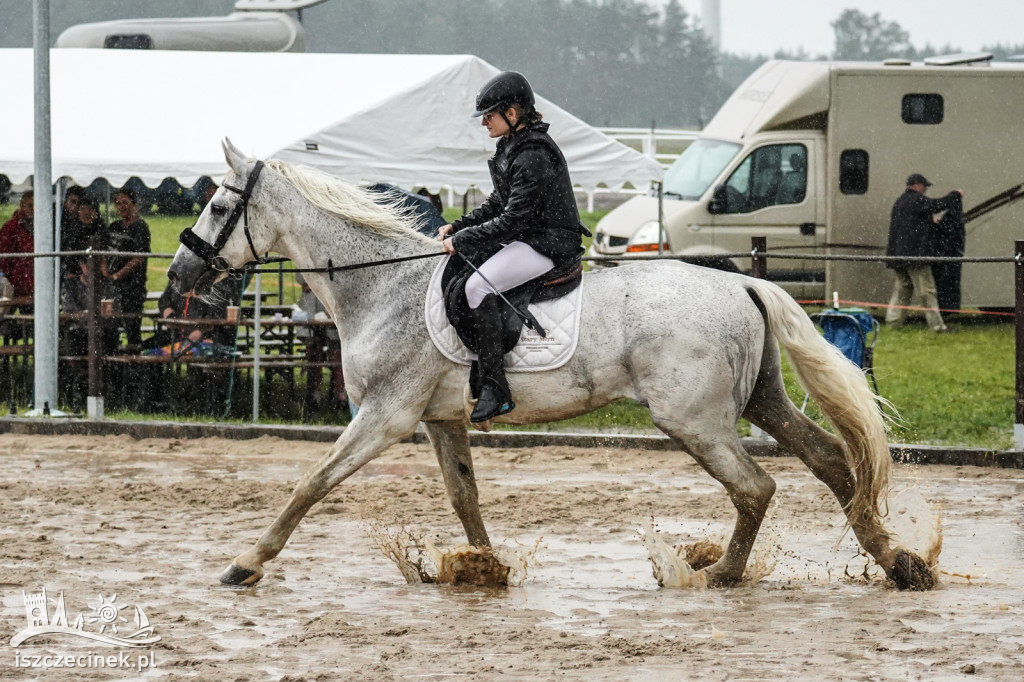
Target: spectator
{"points": [[322, 345], [125, 276], [793, 187], [173, 305], [912, 233], [435, 199], [74, 299], [69, 215], [16, 237], [88, 228], [207, 386], [208, 193]]}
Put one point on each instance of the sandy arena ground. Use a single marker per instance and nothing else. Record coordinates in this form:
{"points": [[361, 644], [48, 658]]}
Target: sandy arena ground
{"points": [[155, 521]]}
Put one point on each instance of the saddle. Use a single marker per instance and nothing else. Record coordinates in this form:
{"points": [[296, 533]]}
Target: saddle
{"points": [[555, 283]]}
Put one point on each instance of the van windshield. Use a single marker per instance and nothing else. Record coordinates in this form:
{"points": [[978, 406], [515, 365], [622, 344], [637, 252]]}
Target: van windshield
{"points": [[697, 167]]}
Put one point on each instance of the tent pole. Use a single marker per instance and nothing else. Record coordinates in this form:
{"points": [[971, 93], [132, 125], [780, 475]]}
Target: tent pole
{"points": [[44, 296]]}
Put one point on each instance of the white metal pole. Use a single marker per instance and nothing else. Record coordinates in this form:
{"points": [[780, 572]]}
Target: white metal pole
{"points": [[256, 350], [44, 298]]}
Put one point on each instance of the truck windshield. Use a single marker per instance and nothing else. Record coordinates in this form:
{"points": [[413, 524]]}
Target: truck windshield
{"points": [[697, 167]]}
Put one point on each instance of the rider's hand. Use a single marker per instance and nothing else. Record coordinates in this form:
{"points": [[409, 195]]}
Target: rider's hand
{"points": [[448, 246], [443, 232]]}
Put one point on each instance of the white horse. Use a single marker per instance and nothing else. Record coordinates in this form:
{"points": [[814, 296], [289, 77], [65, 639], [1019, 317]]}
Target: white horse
{"points": [[696, 346]]}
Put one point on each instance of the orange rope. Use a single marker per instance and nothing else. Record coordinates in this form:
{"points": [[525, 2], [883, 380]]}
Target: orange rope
{"points": [[868, 304]]}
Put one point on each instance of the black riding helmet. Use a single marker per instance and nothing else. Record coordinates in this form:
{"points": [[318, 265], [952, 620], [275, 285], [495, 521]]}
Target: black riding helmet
{"points": [[501, 92]]}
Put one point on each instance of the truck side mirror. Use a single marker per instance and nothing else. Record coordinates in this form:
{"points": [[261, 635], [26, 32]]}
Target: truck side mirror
{"points": [[718, 203]]}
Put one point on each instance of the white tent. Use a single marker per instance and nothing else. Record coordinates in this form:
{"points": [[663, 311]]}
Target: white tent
{"points": [[402, 119]]}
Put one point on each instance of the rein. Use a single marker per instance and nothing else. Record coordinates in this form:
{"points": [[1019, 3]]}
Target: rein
{"points": [[331, 267], [526, 316], [210, 253]]}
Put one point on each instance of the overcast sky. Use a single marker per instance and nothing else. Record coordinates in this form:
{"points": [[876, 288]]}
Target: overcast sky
{"points": [[764, 26]]}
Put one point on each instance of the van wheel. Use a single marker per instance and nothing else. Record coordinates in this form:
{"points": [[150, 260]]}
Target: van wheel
{"points": [[714, 263]]}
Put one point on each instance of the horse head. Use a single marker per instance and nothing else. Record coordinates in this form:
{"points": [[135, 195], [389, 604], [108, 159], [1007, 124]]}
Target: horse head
{"points": [[213, 245]]}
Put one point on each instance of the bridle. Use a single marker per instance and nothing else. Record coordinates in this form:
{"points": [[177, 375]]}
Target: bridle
{"points": [[210, 253]]}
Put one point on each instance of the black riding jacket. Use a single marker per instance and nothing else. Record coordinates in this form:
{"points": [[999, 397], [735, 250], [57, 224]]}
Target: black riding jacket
{"points": [[532, 201], [912, 231]]}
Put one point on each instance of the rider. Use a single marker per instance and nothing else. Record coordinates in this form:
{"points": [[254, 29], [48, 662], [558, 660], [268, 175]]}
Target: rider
{"points": [[525, 228]]}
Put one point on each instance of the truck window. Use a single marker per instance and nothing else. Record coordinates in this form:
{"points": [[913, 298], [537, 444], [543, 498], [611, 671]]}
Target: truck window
{"points": [[698, 166], [922, 109], [853, 171], [769, 176]]}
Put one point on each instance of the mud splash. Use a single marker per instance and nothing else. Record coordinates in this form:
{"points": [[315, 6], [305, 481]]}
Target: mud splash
{"points": [[671, 565], [916, 524], [459, 565]]}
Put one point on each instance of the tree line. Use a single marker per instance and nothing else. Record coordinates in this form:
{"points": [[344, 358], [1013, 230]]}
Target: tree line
{"points": [[610, 62]]}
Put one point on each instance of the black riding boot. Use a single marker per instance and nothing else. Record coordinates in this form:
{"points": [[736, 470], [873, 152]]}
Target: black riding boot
{"points": [[494, 397]]}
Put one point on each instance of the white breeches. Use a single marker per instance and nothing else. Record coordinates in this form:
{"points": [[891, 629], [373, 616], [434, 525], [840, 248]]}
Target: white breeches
{"points": [[517, 263]]}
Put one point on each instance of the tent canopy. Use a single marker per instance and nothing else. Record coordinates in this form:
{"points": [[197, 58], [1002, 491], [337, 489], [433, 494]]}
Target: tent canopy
{"points": [[400, 119]]}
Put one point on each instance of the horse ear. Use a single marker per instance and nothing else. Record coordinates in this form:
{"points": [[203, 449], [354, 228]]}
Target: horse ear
{"points": [[233, 155]]}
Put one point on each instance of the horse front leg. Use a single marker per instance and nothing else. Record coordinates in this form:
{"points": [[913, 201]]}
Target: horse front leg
{"points": [[451, 445], [369, 434]]}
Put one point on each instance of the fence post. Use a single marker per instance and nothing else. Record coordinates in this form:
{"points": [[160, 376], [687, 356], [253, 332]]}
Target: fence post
{"points": [[94, 400], [758, 263], [758, 269], [1018, 317]]}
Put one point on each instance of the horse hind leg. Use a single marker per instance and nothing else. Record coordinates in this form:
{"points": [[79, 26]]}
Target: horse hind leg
{"points": [[719, 452], [451, 445], [771, 409]]}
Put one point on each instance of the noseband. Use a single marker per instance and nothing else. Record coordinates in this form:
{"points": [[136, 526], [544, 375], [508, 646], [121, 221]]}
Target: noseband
{"points": [[210, 253]]}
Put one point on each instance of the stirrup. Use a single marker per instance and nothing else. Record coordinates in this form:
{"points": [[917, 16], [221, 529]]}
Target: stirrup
{"points": [[504, 408], [501, 408]]}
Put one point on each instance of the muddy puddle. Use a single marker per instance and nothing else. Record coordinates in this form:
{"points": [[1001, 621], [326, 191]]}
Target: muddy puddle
{"points": [[154, 522]]}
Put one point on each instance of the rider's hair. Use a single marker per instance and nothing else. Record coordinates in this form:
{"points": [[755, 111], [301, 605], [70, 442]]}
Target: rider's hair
{"points": [[528, 117]]}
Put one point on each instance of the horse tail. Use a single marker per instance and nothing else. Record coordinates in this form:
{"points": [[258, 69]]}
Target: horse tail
{"points": [[843, 394]]}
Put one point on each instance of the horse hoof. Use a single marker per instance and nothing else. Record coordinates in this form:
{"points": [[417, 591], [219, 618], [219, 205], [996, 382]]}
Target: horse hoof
{"points": [[236, 575], [910, 572]]}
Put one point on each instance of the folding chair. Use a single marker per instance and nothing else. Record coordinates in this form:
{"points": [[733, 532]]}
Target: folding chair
{"points": [[854, 332]]}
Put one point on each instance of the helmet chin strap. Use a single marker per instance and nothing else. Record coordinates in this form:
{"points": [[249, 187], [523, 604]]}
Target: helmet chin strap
{"points": [[511, 128]]}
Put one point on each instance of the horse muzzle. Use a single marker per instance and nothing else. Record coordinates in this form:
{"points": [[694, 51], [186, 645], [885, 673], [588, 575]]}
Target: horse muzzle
{"points": [[191, 274]]}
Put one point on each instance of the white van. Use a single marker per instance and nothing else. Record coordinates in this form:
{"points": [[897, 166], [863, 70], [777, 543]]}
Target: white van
{"points": [[812, 156]]}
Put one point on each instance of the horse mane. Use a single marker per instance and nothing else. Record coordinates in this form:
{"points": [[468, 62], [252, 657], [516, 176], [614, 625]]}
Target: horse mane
{"points": [[385, 216]]}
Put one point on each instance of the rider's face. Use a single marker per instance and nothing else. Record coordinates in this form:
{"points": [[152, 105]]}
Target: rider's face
{"points": [[495, 124]]}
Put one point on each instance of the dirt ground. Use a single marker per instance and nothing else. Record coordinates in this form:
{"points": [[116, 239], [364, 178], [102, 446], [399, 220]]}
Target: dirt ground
{"points": [[155, 521]]}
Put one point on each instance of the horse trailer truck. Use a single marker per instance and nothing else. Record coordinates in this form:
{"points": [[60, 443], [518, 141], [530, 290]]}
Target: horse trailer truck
{"points": [[812, 156]]}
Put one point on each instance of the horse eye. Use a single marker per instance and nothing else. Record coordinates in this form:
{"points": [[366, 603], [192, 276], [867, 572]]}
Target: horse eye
{"points": [[218, 210]]}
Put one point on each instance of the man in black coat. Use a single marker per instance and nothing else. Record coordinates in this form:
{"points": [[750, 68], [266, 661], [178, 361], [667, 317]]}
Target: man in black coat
{"points": [[912, 233]]}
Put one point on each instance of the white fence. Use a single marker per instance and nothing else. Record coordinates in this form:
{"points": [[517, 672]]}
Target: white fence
{"points": [[648, 140], [663, 145]]}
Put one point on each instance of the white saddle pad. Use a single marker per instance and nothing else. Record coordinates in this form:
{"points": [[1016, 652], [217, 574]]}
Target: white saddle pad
{"points": [[560, 318]]}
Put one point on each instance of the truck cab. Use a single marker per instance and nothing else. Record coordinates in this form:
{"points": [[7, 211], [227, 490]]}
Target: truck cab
{"points": [[740, 179]]}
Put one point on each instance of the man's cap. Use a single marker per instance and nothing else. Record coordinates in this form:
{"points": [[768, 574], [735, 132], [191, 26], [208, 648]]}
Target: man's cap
{"points": [[918, 179]]}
